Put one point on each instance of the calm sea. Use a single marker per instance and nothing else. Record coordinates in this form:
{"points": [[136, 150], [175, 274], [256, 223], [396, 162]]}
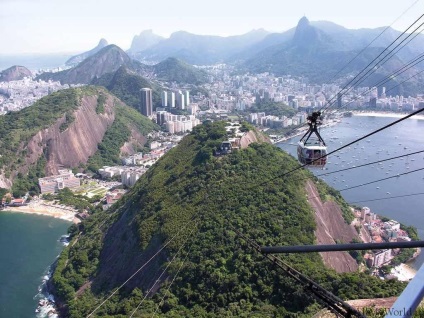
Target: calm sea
{"points": [[403, 138], [29, 244], [34, 62]]}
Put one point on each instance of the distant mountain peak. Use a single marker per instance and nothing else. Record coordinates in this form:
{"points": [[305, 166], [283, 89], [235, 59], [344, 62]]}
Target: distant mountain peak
{"points": [[103, 43], [144, 40], [107, 60], [74, 60], [306, 34], [14, 73], [303, 22]]}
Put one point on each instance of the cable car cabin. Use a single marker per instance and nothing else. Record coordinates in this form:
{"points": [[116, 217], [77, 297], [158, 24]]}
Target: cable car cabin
{"points": [[306, 155], [310, 153]]}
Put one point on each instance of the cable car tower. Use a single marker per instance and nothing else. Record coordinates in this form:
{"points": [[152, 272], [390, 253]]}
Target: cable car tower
{"points": [[312, 152]]}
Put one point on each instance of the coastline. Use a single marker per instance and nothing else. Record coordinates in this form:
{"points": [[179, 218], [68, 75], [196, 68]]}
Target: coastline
{"points": [[46, 210], [404, 272], [384, 114]]}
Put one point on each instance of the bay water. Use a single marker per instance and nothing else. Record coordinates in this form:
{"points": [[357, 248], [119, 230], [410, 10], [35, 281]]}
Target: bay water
{"points": [[400, 139], [29, 244], [34, 62]]}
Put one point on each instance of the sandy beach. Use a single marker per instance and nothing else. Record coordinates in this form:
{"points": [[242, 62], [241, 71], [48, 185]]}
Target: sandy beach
{"points": [[42, 208], [404, 272], [383, 114]]}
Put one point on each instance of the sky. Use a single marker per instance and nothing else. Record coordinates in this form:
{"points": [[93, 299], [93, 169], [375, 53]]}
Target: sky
{"points": [[53, 26]]}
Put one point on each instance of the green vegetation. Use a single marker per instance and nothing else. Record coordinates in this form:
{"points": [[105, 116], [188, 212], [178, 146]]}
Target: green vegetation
{"points": [[126, 86], [29, 182], [109, 149], [273, 108], [3, 192], [68, 198], [16, 128], [69, 118], [222, 276], [100, 108], [175, 70], [411, 230]]}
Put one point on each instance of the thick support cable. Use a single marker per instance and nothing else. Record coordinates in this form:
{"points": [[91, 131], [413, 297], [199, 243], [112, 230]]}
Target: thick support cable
{"points": [[331, 301], [339, 247]]}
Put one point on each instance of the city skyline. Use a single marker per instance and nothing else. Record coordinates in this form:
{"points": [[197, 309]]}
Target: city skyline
{"points": [[39, 26]]}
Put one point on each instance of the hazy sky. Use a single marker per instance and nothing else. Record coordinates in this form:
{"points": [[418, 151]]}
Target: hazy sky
{"points": [[44, 26]]}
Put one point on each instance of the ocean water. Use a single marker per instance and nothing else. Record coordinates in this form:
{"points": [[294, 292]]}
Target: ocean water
{"points": [[34, 62], [403, 138], [29, 244]]}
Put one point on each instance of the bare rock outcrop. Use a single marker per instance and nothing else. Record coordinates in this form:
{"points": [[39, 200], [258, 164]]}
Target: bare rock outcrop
{"points": [[70, 142], [252, 136], [14, 73], [331, 227], [78, 142]]}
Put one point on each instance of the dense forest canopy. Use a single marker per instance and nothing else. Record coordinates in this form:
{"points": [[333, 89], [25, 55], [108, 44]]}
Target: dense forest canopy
{"points": [[196, 199]]}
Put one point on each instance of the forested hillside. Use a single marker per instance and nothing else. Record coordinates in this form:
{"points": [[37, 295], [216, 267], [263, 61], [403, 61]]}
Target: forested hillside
{"points": [[66, 129], [195, 201]]}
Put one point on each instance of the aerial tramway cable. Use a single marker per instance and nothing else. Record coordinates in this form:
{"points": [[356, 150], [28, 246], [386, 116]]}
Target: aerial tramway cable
{"points": [[141, 267], [378, 56], [386, 79], [163, 272], [335, 304], [403, 69], [169, 286], [367, 164], [387, 198], [387, 178], [347, 145], [380, 34]]}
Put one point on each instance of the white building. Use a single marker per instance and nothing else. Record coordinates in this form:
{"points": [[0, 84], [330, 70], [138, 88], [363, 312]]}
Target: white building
{"points": [[164, 97], [171, 99], [180, 102], [187, 97]]}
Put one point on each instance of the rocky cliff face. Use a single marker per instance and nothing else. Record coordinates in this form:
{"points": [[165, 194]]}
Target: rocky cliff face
{"points": [[78, 142], [14, 73], [252, 136], [72, 135]]}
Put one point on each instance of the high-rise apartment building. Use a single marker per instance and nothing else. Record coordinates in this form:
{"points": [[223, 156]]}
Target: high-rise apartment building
{"points": [[146, 103], [180, 100], [164, 99], [187, 97], [171, 99]]}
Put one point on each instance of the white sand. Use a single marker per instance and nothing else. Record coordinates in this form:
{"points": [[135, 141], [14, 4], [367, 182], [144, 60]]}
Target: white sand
{"points": [[404, 272], [41, 208]]}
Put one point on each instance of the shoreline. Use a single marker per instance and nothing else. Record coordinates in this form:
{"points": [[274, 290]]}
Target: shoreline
{"points": [[404, 272], [54, 212]]}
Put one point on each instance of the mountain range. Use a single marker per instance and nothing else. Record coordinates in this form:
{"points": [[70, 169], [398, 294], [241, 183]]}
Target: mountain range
{"points": [[317, 50], [321, 51], [110, 58], [198, 49], [74, 60], [203, 49]]}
